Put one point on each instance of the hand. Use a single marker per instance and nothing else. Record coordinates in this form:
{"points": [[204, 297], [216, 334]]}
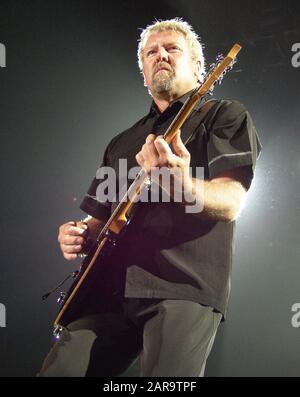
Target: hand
{"points": [[156, 153], [72, 237]]}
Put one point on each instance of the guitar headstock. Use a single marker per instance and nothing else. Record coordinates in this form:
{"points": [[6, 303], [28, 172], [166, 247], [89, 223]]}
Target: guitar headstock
{"points": [[218, 70]]}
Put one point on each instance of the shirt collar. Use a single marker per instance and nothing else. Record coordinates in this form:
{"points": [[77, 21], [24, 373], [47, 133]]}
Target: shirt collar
{"points": [[181, 100]]}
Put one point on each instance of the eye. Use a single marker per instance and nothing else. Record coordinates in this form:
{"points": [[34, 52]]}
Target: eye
{"points": [[150, 52], [174, 48]]}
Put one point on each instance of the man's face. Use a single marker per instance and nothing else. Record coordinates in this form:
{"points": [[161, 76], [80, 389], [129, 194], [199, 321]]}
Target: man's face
{"points": [[167, 64]]}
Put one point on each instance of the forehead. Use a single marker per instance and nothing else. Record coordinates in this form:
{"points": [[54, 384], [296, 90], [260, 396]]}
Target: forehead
{"points": [[165, 37]]}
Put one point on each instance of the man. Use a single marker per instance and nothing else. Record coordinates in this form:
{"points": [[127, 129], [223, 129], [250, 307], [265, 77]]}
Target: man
{"points": [[165, 289]]}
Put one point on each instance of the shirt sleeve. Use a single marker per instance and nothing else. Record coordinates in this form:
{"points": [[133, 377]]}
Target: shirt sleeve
{"points": [[93, 204], [232, 140]]}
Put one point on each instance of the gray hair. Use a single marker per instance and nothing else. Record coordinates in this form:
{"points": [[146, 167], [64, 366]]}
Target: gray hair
{"points": [[177, 25]]}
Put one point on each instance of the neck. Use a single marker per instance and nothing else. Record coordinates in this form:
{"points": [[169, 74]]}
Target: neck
{"points": [[163, 103], [163, 100]]}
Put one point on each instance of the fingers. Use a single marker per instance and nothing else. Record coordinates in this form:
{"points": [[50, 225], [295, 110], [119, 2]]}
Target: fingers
{"points": [[71, 249], [179, 148], [72, 240], [70, 257], [157, 153], [73, 228], [140, 159], [71, 237], [153, 152], [165, 153], [150, 148], [148, 156], [150, 138]]}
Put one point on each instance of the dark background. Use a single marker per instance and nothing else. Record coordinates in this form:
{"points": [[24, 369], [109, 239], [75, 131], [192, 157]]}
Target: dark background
{"points": [[71, 83]]}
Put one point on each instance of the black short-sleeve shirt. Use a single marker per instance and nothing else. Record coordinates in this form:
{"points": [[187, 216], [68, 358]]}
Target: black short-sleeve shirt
{"points": [[169, 254]]}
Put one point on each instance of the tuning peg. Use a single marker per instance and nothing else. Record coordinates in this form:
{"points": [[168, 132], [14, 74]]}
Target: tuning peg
{"points": [[212, 66], [234, 61]]}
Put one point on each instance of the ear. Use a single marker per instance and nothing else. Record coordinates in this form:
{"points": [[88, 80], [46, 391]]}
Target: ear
{"points": [[145, 85], [143, 75], [197, 68]]}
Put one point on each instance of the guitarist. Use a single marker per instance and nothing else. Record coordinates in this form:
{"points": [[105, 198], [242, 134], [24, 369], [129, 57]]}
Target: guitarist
{"points": [[165, 288]]}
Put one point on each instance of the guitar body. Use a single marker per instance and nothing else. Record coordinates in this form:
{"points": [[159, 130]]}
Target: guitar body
{"points": [[77, 301]]}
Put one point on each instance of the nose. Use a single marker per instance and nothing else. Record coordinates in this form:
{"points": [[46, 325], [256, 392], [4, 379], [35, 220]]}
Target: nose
{"points": [[162, 54]]}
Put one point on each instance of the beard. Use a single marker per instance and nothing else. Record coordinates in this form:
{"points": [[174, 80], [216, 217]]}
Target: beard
{"points": [[163, 81]]}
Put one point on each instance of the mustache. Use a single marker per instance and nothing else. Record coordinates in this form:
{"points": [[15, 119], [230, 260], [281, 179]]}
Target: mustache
{"points": [[162, 65]]}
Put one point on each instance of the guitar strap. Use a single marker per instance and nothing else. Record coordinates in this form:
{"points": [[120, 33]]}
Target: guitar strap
{"points": [[197, 117]]}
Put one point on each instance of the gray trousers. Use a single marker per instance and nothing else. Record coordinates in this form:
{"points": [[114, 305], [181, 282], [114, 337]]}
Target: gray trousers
{"points": [[172, 337]]}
